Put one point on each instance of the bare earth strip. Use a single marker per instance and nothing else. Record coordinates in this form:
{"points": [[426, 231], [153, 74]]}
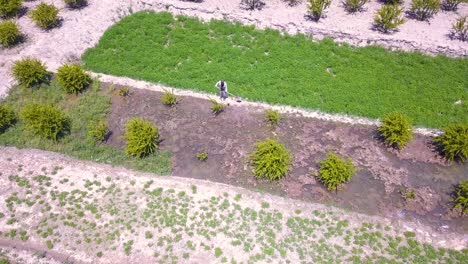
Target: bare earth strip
{"points": [[82, 29], [96, 213]]}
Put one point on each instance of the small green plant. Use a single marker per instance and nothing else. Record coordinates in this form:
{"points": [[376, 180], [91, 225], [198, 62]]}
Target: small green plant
{"points": [[73, 78], [335, 171], [218, 252], [317, 7], [49, 244], [270, 160], [216, 107], [124, 91], [7, 117], [169, 98], [452, 5], [353, 6], [424, 9], [252, 4], [142, 137], [408, 194], [202, 155], [128, 247], [396, 130], [453, 143], [30, 72], [461, 199], [272, 117], [148, 235], [10, 34], [45, 120], [388, 18], [98, 131], [460, 28], [10, 8], [75, 3], [45, 16]]}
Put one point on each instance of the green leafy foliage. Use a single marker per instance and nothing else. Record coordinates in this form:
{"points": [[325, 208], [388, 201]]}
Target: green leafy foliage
{"points": [[73, 78], [270, 160], [10, 8], [461, 199], [9, 33], [202, 155], [335, 171], [142, 138], [424, 9], [388, 18], [45, 16], [7, 117], [453, 143], [98, 130], [216, 107], [124, 91], [30, 72], [460, 28], [317, 7], [452, 5], [396, 130], [408, 194], [45, 120], [169, 98], [75, 3], [353, 6], [272, 117]]}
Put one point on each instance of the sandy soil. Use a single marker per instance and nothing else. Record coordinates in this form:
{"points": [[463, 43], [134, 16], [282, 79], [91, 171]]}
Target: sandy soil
{"points": [[82, 29]]}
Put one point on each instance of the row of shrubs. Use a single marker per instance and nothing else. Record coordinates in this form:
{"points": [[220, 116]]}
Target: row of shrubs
{"points": [[44, 15]]}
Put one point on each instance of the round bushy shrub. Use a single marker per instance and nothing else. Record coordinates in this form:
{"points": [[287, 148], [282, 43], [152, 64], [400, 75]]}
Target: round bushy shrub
{"points": [[7, 117], [272, 117], [10, 8], [142, 137], [396, 130], [30, 72], [73, 78], [388, 18], [75, 3], [461, 199], [45, 120], [45, 16], [335, 171], [453, 143], [98, 131], [270, 160], [9, 33]]}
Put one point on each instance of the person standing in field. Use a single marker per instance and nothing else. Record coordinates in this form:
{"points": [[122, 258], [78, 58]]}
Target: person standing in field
{"points": [[223, 89]]}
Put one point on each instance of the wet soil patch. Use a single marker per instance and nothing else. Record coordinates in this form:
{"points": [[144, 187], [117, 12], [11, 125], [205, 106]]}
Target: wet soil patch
{"points": [[229, 138]]}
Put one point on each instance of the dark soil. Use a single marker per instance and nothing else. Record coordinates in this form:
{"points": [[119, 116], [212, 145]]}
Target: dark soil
{"points": [[229, 138]]}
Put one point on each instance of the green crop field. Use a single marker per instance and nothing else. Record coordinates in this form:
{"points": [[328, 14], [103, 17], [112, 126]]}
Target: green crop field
{"points": [[283, 69]]}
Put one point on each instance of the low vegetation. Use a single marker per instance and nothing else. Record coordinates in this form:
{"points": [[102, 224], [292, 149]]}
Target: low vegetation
{"points": [[270, 160], [453, 143], [216, 107], [45, 120], [354, 6], [202, 155], [452, 5], [124, 91], [461, 199], [45, 15], [98, 131], [272, 117], [169, 98], [30, 72], [73, 78], [396, 130], [7, 117], [252, 4], [75, 3], [334, 171], [317, 7], [142, 138], [424, 9], [10, 33], [389, 18], [460, 28], [10, 8]]}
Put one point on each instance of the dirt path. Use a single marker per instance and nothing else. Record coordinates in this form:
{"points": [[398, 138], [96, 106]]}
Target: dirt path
{"points": [[107, 194], [82, 29]]}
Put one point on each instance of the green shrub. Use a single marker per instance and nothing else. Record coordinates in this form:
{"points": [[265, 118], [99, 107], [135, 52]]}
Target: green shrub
{"points": [[460, 28], [388, 18], [45, 16], [73, 78], [45, 120], [335, 171], [316, 8], [124, 91], [396, 130], [75, 3], [202, 155], [353, 6], [216, 107], [453, 143], [452, 5], [272, 117], [270, 160], [10, 8], [7, 117], [169, 98], [98, 131], [30, 72], [461, 199], [424, 9], [142, 137], [9, 33], [408, 194]]}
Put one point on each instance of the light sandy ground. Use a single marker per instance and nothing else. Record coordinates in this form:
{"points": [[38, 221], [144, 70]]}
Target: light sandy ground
{"points": [[82, 29]]}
